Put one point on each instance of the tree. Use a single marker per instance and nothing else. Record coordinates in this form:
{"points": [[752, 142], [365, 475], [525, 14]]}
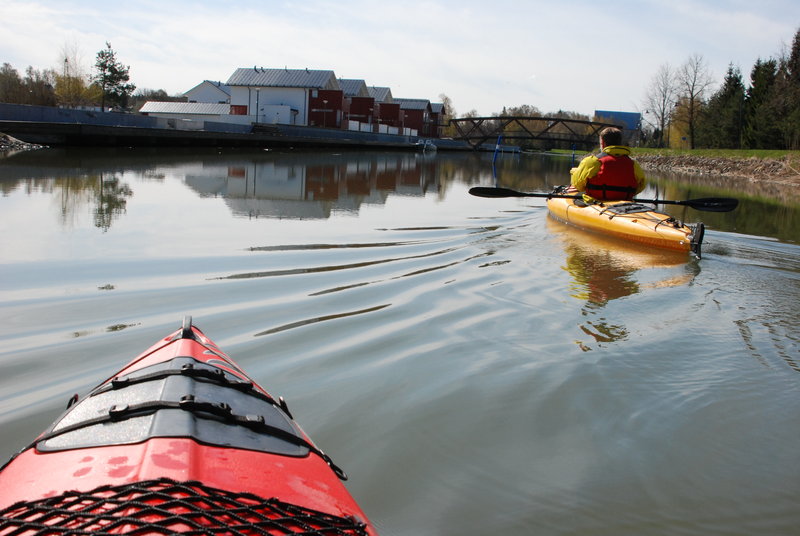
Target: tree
{"points": [[761, 129], [39, 87], [660, 100], [36, 88], [112, 77], [722, 121], [524, 110], [448, 130], [694, 80], [788, 95], [72, 84], [11, 86]]}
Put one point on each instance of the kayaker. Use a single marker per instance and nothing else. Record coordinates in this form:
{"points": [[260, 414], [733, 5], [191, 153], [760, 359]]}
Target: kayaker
{"points": [[610, 175]]}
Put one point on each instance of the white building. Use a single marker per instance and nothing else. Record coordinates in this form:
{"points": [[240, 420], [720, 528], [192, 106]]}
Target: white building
{"points": [[209, 91], [277, 95], [188, 112]]}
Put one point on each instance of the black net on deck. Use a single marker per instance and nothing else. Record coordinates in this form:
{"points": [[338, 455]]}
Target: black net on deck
{"points": [[163, 507]]}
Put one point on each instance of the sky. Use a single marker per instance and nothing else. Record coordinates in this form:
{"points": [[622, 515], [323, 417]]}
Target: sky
{"points": [[571, 55]]}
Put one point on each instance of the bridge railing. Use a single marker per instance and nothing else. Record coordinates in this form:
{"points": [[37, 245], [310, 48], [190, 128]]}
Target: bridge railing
{"points": [[480, 130]]}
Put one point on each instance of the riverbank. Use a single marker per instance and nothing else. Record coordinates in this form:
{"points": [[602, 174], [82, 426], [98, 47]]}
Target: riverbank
{"points": [[754, 176], [7, 143], [784, 170]]}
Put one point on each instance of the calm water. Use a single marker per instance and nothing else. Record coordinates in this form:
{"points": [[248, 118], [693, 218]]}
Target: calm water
{"points": [[474, 366]]}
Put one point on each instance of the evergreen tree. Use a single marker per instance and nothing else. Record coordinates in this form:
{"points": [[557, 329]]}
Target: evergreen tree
{"points": [[722, 121], [112, 77], [761, 120], [790, 82], [784, 99]]}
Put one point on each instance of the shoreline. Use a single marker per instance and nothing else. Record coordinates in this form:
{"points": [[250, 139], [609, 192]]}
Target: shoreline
{"points": [[753, 169], [7, 143]]}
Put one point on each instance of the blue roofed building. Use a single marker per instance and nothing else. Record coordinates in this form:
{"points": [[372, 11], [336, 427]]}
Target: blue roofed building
{"points": [[629, 122]]}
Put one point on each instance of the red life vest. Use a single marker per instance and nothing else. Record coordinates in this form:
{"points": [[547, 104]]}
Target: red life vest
{"points": [[616, 179]]}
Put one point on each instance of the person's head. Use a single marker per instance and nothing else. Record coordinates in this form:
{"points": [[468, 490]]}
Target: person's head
{"points": [[610, 136]]}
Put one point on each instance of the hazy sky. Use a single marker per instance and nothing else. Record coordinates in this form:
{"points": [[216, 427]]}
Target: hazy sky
{"points": [[561, 54]]}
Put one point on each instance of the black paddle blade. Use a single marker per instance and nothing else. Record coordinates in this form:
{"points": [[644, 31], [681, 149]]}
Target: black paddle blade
{"points": [[486, 191], [713, 204]]}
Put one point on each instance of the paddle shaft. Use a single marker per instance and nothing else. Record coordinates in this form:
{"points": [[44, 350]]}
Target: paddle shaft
{"points": [[710, 204]]}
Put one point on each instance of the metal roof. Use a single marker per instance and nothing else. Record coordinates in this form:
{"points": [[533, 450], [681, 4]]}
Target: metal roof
{"points": [[381, 94], [437, 107], [413, 104], [353, 87], [300, 78], [195, 108]]}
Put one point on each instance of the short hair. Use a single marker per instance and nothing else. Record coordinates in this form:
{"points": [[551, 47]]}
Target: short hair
{"points": [[611, 136]]}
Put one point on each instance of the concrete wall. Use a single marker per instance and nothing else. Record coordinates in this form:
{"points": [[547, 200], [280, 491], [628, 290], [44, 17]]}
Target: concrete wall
{"points": [[49, 114]]}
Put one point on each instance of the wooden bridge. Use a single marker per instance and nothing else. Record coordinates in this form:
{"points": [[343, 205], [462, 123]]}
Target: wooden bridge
{"points": [[552, 131]]}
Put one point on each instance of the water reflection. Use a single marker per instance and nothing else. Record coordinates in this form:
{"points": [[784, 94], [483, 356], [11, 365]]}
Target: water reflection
{"points": [[297, 185], [110, 200], [103, 195], [765, 209], [605, 269], [313, 185]]}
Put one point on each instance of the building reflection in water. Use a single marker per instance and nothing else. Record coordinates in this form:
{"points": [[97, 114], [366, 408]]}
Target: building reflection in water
{"points": [[313, 185], [293, 184], [605, 269]]}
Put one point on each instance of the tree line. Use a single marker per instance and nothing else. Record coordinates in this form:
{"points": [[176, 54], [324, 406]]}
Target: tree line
{"points": [[107, 86], [681, 109]]}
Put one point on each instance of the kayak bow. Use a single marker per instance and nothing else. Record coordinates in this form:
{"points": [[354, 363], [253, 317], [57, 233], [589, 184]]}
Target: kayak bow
{"points": [[179, 441]]}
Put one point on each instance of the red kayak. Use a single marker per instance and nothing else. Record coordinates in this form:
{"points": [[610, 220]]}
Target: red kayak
{"points": [[180, 441]]}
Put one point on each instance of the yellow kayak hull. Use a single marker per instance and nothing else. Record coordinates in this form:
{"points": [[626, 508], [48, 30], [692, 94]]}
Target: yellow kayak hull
{"points": [[629, 221]]}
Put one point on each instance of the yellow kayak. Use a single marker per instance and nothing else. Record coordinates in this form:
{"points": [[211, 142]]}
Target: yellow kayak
{"points": [[630, 221]]}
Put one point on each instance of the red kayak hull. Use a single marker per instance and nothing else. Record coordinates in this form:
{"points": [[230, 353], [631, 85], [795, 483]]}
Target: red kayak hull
{"points": [[292, 472]]}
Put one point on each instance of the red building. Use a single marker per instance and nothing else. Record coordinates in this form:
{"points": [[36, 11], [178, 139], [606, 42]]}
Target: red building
{"points": [[438, 112], [362, 109], [359, 105], [325, 108], [390, 114], [417, 114]]}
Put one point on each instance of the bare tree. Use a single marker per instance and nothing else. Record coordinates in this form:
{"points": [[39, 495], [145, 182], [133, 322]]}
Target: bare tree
{"points": [[71, 84], [449, 113], [660, 99], [694, 80]]}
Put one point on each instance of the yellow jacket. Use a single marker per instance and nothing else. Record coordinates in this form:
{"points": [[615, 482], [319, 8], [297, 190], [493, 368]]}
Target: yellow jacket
{"points": [[590, 165]]}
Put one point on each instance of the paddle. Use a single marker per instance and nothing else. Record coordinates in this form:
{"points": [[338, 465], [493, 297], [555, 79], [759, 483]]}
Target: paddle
{"points": [[709, 204]]}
